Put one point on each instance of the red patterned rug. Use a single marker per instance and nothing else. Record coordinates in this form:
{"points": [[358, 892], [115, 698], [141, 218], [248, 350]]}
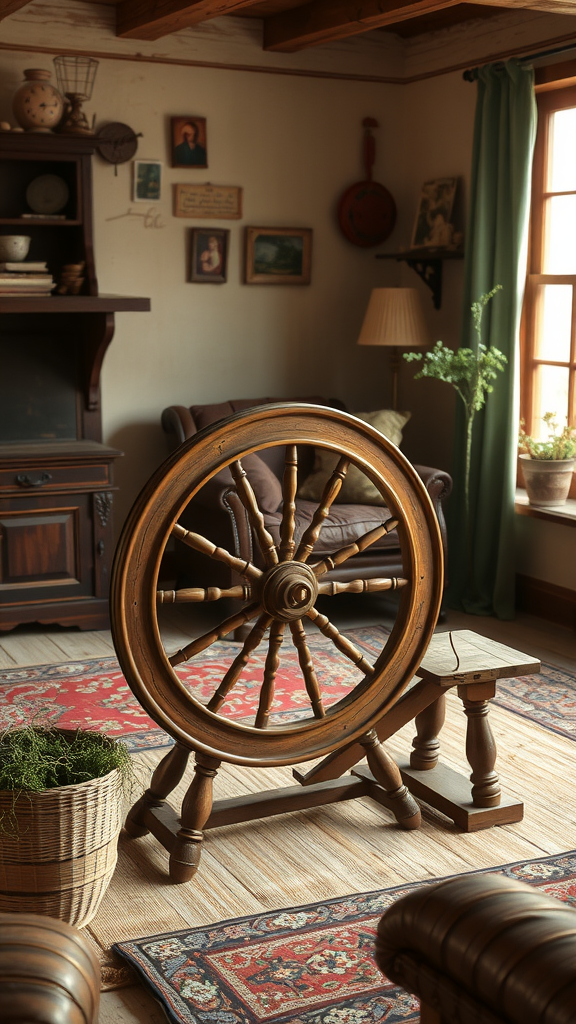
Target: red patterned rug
{"points": [[306, 965], [94, 694]]}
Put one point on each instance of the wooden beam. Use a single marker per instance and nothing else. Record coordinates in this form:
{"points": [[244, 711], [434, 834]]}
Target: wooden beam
{"points": [[8, 7], [322, 21], [151, 19]]}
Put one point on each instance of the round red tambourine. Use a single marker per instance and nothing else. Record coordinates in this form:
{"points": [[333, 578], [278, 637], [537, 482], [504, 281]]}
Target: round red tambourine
{"points": [[366, 213]]}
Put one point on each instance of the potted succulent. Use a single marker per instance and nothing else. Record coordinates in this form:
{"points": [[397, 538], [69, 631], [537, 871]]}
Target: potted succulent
{"points": [[547, 466], [60, 817]]}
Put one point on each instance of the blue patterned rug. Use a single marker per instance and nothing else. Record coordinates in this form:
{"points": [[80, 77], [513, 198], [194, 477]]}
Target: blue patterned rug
{"points": [[306, 965]]}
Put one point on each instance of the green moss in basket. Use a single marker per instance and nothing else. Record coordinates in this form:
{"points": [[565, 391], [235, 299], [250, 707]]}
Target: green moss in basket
{"points": [[32, 760]]}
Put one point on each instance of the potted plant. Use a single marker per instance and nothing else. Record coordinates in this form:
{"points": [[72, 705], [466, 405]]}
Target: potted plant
{"points": [[60, 817], [547, 466]]}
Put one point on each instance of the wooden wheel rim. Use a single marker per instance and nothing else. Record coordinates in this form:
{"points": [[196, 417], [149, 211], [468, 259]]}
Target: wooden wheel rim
{"points": [[134, 582]]}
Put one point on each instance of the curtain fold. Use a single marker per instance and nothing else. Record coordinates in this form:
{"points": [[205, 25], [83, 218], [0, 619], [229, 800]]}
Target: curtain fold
{"points": [[497, 243]]}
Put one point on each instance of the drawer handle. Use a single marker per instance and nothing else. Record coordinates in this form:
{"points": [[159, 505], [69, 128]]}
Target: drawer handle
{"points": [[23, 480]]}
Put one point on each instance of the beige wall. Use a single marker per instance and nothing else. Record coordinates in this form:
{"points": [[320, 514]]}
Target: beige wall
{"points": [[293, 143]]}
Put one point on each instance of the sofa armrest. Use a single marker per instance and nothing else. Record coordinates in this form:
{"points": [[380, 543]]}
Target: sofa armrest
{"points": [[438, 483], [177, 424], [483, 948]]}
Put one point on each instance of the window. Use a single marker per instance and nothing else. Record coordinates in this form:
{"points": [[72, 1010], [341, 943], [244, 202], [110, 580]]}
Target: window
{"points": [[549, 330]]}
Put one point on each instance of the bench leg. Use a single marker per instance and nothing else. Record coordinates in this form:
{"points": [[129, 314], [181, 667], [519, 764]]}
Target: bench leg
{"points": [[426, 743], [480, 749]]}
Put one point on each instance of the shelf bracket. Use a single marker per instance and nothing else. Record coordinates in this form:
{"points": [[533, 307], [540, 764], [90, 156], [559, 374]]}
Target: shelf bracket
{"points": [[430, 271]]}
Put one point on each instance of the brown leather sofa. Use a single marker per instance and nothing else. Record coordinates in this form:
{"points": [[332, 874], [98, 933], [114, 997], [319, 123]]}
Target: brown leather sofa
{"points": [[482, 949], [218, 513]]}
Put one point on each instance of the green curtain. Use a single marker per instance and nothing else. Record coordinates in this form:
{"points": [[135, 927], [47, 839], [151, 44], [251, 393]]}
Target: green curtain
{"points": [[496, 251]]}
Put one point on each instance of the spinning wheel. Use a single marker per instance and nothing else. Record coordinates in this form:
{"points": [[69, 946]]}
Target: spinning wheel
{"points": [[280, 598]]}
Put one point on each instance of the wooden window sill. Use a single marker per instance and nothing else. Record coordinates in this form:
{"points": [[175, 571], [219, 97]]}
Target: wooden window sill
{"points": [[565, 514]]}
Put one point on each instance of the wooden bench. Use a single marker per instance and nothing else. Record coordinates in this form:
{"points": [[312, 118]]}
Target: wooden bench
{"points": [[472, 664]]}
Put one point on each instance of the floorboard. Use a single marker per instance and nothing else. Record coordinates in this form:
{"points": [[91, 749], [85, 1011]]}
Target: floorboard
{"points": [[332, 850]]}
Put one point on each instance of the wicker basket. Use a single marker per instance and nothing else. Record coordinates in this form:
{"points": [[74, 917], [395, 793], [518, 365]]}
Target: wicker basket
{"points": [[64, 854]]}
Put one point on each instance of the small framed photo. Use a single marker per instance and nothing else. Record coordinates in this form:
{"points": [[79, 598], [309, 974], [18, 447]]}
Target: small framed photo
{"points": [[209, 255], [433, 227], [188, 135], [278, 255], [147, 181]]}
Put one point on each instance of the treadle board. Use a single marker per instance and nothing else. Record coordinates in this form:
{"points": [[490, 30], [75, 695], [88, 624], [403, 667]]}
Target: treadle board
{"points": [[478, 660], [281, 801], [450, 793]]}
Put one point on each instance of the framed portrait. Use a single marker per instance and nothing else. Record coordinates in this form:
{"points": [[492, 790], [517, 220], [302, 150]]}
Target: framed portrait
{"points": [[209, 255], [188, 136], [278, 255], [147, 183], [433, 227]]}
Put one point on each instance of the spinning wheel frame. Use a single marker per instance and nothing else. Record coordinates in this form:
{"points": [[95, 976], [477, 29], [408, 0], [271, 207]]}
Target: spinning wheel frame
{"points": [[150, 524]]}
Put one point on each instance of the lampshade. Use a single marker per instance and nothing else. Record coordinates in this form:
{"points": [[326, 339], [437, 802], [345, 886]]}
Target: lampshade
{"points": [[394, 317]]}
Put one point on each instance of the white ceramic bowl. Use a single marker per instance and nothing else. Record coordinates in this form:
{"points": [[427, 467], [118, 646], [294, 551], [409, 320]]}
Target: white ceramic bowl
{"points": [[14, 248]]}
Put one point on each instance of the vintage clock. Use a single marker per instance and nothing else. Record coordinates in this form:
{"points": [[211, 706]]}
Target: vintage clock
{"points": [[37, 105]]}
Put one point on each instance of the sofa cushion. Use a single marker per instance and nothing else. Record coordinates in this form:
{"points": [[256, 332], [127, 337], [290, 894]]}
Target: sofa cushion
{"points": [[344, 524], [357, 487], [264, 482]]}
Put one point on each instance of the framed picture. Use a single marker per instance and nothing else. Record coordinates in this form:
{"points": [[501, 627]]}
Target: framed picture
{"points": [[209, 255], [221, 202], [278, 255], [147, 185], [433, 227], [188, 135]]}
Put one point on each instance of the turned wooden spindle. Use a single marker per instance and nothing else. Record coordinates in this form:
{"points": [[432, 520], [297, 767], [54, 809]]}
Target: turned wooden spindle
{"points": [[207, 639], [270, 669], [196, 808], [206, 547], [231, 677], [387, 774], [426, 743], [166, 777], [289, 487], [329, 495], [480, 751], [332, 561], [248, 499], [344, 645], [308, 670]]}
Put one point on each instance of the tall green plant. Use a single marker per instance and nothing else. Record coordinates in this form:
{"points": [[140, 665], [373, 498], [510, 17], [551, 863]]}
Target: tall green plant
{"points": [[470, 372]]}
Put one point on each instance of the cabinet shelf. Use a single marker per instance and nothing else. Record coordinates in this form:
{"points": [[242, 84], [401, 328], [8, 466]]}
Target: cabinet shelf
{"points": [[74, 304], [24, 222], [427, 263]]}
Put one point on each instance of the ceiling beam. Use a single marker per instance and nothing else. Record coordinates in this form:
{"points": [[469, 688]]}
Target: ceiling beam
{"points": [[548, 6], [322, 21], [10, 6], [151, 19]]}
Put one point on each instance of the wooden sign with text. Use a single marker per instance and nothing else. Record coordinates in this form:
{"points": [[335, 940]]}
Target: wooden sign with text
{"points": [[216, 202]]}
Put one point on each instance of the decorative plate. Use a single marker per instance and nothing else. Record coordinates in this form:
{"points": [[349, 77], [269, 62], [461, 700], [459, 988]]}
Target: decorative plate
{"points": [[47, 194]]}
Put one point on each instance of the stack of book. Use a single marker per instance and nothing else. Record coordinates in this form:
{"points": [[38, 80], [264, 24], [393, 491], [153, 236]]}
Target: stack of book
{"points": [[25, 279]]}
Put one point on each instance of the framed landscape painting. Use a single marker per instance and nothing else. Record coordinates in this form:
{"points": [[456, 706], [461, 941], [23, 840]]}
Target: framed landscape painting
{"points": [[278, 255], [209, 255]]}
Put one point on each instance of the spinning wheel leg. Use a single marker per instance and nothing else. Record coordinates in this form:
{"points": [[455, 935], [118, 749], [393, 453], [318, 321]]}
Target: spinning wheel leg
{"points": [[165, 778], [426, 743], [196, 807], [387, 774]]}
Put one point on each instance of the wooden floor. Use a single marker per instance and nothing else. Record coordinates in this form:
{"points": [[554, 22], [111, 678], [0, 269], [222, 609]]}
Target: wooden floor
{"points": [[331, 851]]}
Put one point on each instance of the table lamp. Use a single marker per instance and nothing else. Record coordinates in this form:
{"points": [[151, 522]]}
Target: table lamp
{"points": [[394, 317]]}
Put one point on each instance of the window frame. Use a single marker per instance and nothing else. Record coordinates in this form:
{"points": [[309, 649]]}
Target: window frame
{"points": [[559, 97]]}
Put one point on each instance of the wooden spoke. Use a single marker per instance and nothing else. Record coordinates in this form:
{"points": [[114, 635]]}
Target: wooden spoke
{"points": [[195, 595], [307, 666], [207, 639], [289, 485], [331, 561], [344, 645], [232, 675], [206, 547], [270, 669], [361, 586], [248, 499], [329, 494]]}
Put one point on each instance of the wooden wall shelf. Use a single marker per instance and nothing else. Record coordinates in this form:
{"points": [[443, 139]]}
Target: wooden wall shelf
{"points": [[428, 265], [74, 304]]}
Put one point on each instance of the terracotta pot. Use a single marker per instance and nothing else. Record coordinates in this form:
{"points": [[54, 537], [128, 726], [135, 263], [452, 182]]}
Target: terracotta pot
{"points": [[547, 480]]}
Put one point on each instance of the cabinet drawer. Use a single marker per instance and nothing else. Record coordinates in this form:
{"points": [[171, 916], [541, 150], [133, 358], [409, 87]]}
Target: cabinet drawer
{"points": [[42, 478]]}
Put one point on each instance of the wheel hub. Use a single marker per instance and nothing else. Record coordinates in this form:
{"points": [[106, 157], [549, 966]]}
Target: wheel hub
{"points": [[289, 590]]}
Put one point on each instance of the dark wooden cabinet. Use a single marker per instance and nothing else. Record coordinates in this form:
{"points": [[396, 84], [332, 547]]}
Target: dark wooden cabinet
{"points": [[56, 476]]}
